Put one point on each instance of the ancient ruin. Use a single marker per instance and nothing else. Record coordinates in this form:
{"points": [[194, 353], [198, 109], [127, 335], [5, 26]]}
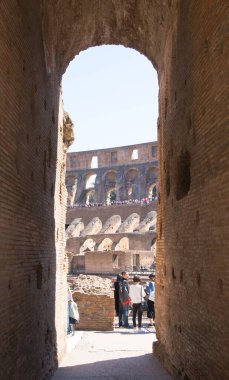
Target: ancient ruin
{"points": [[126, 173], [114, 246], [186, 41]]}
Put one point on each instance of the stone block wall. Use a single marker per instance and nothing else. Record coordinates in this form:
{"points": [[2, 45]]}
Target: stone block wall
{"points": [[102, 262], [113, 156]]}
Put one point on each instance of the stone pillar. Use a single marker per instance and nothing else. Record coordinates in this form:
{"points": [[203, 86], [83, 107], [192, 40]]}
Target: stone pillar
{"points": [[142, 182], [71, 189], [120, 186], [100, 195], [80, 189]]}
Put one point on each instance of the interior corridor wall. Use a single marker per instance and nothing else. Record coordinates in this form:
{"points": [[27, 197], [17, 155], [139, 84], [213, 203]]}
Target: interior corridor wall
{"points": [[31, 228], [192, 279], [186, 42]]}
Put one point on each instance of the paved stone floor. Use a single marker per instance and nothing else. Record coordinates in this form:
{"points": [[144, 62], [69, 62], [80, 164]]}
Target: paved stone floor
{"points": [[117, 355]]}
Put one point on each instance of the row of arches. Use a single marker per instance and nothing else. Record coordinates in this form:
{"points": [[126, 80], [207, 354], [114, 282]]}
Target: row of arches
{"points": [[111, 194], [113, 185], [107, 244]]}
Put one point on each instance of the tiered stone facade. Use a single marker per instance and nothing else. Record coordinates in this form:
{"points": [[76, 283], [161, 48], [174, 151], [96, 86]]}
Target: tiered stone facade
{"points": [[130, 171]]}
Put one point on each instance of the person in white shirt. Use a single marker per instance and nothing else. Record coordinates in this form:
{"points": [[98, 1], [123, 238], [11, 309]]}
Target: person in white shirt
{"points": [[137, 294]]}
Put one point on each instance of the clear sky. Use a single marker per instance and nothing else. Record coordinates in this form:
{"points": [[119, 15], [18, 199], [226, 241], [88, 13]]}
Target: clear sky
{"points": [[111, 95]]}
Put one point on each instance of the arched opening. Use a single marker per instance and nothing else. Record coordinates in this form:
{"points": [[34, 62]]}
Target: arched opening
{"points": [[105, 245], [111, 196], [123, 244], [119, 170], [90, 181], [88, 245], [110, 185], [121, 185], [152, 194], [71, 185], [90, 196], [132, 185]]}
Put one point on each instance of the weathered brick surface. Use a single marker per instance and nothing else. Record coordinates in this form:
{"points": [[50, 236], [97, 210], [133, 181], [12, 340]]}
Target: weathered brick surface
{"points": [[186, 41], [95, 299], [28, 159], [192, 256], [131, 170], [112, 157]]}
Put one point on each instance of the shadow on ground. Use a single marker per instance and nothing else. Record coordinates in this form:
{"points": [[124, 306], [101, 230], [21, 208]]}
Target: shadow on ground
{"points": [[143, 367], [126, 332]]}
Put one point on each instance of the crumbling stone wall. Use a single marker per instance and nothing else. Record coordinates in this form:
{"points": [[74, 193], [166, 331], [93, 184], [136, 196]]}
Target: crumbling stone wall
{"points": [[95, 299]]}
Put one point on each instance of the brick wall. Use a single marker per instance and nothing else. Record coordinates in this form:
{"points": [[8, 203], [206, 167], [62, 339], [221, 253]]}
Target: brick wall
{"points": [[96, 312], [95, 299], [28, 159], [192, 279], [192, 282]]}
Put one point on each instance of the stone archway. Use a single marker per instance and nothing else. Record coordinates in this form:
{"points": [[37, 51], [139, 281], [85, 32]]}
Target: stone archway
{"points": [[40, 39], [132, 184], [152, 191]]}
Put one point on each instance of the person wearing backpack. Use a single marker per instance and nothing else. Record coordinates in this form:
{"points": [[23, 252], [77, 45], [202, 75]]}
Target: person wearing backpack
{"points": [[124, 300]]}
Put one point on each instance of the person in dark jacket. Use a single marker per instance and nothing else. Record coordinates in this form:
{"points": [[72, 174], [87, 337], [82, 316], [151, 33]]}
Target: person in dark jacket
{"points": [[116, 293], [124, 300], [150, 292]]}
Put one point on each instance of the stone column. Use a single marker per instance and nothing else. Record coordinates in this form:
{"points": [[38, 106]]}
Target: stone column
{"points": [[143, 191], [120, 186], [99, 188], [80, 188]]}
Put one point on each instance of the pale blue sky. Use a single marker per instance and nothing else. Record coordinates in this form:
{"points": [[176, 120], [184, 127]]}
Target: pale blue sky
{"points": [[111, 95]]}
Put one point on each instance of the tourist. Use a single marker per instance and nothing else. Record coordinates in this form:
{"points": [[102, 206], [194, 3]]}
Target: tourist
{"points": [[137, 294], [124, 300], [108, 203], [69, 298], [116, 293], [150, 292], [73, 316]]}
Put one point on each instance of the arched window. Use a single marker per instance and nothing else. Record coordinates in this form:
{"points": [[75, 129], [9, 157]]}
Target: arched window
{"points": [[152, 194], [90, 181], [90, 196], [111, 195]]}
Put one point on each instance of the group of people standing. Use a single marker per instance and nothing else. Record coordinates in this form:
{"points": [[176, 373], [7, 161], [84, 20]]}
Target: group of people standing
{"points": [[134, 296]]}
